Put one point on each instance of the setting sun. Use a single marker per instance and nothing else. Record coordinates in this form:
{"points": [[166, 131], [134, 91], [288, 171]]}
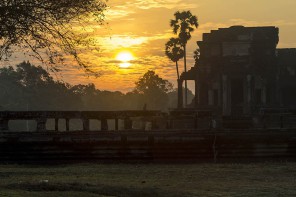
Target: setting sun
{"points": [[124, 56]]}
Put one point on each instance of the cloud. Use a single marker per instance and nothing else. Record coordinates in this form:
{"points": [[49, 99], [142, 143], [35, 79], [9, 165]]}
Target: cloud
{"points": [[118, 42], [121, 41], [118, 12], [169, 4], [120, 9]]}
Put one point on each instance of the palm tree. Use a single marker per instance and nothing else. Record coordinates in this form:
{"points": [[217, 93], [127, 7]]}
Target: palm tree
{"points": [[196, 56], [183, 24], [174, 51]]}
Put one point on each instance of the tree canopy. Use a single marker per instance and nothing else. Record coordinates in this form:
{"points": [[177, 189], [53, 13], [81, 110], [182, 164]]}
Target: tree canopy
{"points": [[154, 90], [196, 56], [174, 51], [183, 25], [44, 27], [29, 87], [151, 82]]}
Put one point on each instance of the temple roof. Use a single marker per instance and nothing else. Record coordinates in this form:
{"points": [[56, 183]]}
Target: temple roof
{"points": [[241, 33]]}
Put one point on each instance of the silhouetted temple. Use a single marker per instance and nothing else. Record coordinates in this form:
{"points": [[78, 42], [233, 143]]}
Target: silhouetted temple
{"points": [[240, 71]]}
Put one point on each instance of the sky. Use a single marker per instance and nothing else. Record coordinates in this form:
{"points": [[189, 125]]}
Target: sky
{"points": [[141, 27]]}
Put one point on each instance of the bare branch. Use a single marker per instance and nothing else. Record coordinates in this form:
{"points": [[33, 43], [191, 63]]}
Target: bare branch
{"points": [[45, 27]]}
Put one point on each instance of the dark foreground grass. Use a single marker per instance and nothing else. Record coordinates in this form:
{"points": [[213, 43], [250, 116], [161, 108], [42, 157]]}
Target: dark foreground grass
{"points": [[140, 180]]}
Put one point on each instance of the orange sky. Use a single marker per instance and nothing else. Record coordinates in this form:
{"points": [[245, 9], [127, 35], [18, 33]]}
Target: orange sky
{"points": [[142, 27]]}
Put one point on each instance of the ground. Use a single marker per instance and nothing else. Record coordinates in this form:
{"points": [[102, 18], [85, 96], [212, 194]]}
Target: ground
{"points": [[140, 180]]}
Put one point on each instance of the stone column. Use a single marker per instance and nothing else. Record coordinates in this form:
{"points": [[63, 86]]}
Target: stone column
{"points": [[4, 125], [196, 98], [225, 96], [56, 124], [180, 93], [128, 123], [278, 93], [104, 124], [85, 123], [116, 124], [210, 97], [249, 93], [263, 96], [41, 124], [67, 124]]}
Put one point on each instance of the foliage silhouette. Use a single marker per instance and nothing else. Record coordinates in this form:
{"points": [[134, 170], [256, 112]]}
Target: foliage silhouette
{"points": [[183, 25], [174, 51], [44, 28], [152, 82], [154, 90], [196, 55], [31, 88], [27, 87]]}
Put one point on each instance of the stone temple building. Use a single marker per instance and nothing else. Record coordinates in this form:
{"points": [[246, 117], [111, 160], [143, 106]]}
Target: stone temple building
{"points": [[240, 71]]}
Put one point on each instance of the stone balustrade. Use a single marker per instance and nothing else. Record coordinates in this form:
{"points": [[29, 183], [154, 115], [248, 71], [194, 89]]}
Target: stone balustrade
{"points": [[150, 120], [41, 118]]}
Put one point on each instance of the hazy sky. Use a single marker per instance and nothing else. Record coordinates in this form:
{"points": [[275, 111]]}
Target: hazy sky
{"points": [[142, 28]]}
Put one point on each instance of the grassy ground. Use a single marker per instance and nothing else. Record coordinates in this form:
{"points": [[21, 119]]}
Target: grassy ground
{"points": [[140, 180]]}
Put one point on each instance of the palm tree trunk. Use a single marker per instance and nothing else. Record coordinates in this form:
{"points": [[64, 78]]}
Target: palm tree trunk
{"points": [[177, 69], [185, 70]]}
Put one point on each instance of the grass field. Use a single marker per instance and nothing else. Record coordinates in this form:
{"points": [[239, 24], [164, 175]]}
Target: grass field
{"points": [[140, 180]]}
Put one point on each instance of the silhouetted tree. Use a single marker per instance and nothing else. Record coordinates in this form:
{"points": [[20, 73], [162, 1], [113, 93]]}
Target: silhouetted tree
{"points": [[32, 76], [183, 25], [152, 82], [154, 90], [10, 88], [196, 55], [31, 87], [27, 87], [88, 89], [174, 51], [44, 27]]}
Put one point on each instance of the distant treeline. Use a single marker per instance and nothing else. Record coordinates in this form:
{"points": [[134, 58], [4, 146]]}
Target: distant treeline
{"points": [[29, 87]]}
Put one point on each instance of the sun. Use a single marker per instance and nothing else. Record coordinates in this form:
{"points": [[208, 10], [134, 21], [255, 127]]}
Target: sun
{"points": [[125, 56]]}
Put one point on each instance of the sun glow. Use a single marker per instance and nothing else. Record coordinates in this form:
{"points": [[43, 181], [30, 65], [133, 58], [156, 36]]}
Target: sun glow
{"points": [[124, 57], [124, 65]]}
